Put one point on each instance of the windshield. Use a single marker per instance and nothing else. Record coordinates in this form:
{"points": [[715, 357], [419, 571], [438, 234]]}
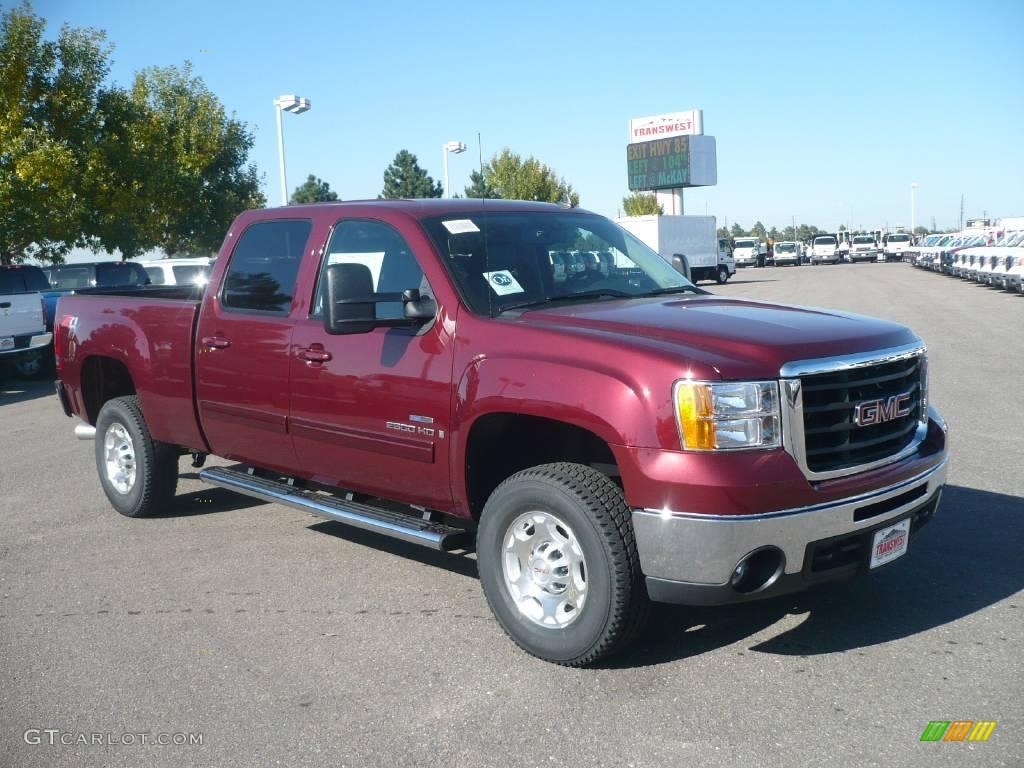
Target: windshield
{"points": [[861, 239], [899, 238], [825, 240], [747, 243], [191, 274], [502, 260], [785, 248]]}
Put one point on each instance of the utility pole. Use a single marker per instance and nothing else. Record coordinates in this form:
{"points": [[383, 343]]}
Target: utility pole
{"points": [[961, 211]]}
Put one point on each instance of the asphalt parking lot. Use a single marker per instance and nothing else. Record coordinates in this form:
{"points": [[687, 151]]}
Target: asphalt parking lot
{"points": [[286, 640]]}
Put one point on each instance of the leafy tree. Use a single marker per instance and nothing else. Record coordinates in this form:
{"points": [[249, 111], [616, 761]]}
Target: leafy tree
{"points": [[513, 178], [174, 171], [49, 93], [921, 231], [842, 227], [405, 179], [759, 231], [737, 230], [478, 187], [314, 190], [642, 204], [774, 235], [723, 233]]}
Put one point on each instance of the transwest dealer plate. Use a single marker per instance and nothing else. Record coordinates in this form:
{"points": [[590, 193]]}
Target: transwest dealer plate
{"points": [[890, 543], [6, 342]]}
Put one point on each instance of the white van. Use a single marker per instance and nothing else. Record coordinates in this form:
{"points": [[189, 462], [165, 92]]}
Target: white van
{"points": [[191, 271], [787, 253]]}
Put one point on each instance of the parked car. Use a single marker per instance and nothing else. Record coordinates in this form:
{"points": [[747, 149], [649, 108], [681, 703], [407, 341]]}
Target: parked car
{"points": [[409, 367], [68, 278], [24, 339], [824, 250], [787, 253], [184, 271], [864, 248]]}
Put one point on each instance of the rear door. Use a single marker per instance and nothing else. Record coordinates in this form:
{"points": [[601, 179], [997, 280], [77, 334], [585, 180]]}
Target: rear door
{"points": [[21, 308], [242, 346], [370, 411]]}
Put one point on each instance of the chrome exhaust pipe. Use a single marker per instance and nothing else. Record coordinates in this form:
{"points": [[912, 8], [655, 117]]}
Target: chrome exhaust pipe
{"points": [[85, 432]]}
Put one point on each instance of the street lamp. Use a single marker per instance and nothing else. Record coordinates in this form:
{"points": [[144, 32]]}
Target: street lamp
{"points": [[296, 105], [455, 148], [913, 207]]}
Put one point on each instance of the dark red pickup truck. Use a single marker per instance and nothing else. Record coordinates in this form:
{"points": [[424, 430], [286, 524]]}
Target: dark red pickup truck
{"points": [[602, 435]]}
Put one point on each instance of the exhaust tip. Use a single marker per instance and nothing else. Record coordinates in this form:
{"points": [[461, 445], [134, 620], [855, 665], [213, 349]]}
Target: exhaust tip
{"points": [[85, 432]]}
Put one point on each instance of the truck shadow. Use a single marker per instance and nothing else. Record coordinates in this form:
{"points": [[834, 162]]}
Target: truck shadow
{"points": [[965, 560], [208, 501], [17, 390]]}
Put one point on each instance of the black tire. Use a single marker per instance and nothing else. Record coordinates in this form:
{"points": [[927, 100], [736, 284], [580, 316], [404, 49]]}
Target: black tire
{"points": [[723, 276], [594, 508], [156, 464]]}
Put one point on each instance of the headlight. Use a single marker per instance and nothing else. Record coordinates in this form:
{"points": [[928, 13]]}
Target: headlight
{"points": [[727, 415]]}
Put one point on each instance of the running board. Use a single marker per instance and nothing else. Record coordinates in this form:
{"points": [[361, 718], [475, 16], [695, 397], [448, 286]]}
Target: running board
{"points": [[370, 518]]}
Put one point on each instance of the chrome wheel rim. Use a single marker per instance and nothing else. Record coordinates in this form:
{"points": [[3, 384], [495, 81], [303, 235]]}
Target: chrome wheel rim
{"points": [[544, 570], [119, 454]]}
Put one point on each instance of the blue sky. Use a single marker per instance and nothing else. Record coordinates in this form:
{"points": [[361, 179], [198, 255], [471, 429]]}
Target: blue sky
{"points": [[822, 111]]}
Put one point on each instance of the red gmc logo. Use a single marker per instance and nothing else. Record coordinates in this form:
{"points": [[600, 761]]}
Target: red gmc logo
{"points": [[880, 411]]}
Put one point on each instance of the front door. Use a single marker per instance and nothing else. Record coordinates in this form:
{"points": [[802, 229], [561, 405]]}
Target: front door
{"points": [[242, 347], [370, 411]]}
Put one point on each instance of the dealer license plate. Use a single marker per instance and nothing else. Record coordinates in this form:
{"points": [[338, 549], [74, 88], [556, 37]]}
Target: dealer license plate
{"points": [[6, 342], [890, 543]]}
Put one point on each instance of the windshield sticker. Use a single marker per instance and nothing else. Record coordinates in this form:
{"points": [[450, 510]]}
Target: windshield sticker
{"points": [[502, 282], [459, 226]]}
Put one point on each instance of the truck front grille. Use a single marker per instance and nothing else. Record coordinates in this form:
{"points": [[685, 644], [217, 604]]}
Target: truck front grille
{"points": [[833, 440]]}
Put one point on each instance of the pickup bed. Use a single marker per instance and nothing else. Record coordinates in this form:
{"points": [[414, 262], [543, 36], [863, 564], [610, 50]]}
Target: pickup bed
{"points": [[601, 439]]}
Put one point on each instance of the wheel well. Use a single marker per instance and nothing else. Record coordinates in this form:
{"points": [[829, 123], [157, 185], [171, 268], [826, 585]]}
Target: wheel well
{"points": [[501, 444], [103, 379]]}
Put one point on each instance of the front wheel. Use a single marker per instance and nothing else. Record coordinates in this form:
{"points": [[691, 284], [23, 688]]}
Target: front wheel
{"points": [[138, 474], [723, 276], [559, 566]]}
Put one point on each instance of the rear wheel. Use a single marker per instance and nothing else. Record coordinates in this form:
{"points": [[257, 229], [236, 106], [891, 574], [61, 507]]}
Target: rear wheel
{"points": [[559, 566], [138, 474]]}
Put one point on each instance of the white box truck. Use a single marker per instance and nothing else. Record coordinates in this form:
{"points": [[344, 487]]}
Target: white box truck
{"points": [[693, 236]]}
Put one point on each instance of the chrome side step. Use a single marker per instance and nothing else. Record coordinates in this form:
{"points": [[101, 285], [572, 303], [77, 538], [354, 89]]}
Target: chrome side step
{"points": [[366, 516]]}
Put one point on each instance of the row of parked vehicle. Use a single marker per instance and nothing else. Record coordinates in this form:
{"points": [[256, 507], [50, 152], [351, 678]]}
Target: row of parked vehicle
{"points": [[29, 296], [996, 260]]}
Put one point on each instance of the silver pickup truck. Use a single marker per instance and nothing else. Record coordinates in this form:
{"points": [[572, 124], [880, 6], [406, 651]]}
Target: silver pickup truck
{"points": [[23, 335]]}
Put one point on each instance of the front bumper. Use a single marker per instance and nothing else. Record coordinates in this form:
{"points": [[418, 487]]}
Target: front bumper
{"points": [[690, 558]]}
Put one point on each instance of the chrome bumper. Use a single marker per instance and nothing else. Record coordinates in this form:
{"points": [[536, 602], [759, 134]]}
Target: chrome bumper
{"points": [[34, 341], [704, 549]]}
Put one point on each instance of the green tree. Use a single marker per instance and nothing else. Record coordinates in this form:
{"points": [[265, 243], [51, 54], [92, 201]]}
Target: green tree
{"points": [[737, 231], [175, 168], [759, 231], [405, 179], [49, 117], [478, 186], [642, 204], [723, 233], [842, 227], [513, 178], [921, 231], [314, 190], [774, 235]]}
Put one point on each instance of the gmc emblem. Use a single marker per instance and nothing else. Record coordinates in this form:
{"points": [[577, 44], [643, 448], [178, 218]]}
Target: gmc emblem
{"points": [[880, 411]]}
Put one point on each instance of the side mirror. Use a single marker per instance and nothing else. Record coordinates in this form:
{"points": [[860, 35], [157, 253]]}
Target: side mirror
{"points": [[349, 304], [681, 264]]}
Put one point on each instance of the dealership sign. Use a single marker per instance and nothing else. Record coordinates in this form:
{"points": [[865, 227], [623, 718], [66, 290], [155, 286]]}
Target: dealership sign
{"points": [[677, 163], [689, 123]]}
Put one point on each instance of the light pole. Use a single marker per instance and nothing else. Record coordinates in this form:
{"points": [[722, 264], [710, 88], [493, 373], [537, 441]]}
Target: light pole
{"points": [[455, 148], [296, 105], [913, 207]]}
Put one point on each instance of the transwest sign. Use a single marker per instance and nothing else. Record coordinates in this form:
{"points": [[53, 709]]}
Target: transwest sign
{"points": [[689, 123]]}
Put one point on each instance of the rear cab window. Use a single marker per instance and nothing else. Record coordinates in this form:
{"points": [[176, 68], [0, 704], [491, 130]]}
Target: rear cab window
{"points": [[264, 266], [22, 279]]}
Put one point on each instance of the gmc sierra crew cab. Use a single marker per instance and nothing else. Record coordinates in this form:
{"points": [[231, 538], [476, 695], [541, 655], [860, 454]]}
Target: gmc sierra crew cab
{"points": [[601, 438]]}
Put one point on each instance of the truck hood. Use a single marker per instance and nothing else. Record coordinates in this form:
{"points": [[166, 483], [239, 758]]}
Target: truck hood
{"points": [[719, 337]]}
